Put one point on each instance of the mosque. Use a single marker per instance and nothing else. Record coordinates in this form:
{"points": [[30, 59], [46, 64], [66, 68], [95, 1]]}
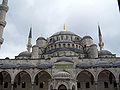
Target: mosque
{"points": [[64, 61]]}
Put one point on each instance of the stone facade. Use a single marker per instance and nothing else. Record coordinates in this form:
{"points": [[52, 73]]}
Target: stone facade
{"points": [[64, 61]]}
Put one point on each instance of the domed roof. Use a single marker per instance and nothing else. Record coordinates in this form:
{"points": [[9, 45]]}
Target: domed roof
{"points": [[25, 54], [62, 75], [85, 37], [8, 65], [104, 52], [63, 33], [102, 64], [26, 65], [64, 59], [44, 65], [41, 38], [116, 64], [83, 65]]}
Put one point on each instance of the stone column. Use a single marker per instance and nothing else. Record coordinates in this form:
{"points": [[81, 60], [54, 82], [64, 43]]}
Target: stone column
{"points": [[12, 86], [96, 85], [118, 87], [32, 86]]}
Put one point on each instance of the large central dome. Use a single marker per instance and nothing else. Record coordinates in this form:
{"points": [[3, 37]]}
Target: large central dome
{"points": [[63, 33]]}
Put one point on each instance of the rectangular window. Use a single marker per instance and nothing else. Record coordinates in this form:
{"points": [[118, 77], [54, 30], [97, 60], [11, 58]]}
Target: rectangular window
{"points": [[23, 84], [115, 84], [78, 85], [15, 85], [6, 85], [105, 85], [87, 85], [41, 85]]}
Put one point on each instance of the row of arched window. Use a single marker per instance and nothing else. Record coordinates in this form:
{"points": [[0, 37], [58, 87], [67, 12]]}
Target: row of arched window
{"points": [[64, 45], [64, 37]]}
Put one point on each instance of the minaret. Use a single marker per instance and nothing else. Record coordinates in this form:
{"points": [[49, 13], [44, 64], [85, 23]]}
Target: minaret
{"points": [[29, 45], [64, 28], [101, 44], [3, 11]]}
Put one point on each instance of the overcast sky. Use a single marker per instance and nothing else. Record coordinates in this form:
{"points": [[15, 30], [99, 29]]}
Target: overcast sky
{"points": [[49, 16]]}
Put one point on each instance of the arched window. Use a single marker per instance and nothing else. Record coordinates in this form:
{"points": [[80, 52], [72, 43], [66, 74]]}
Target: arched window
{"points": [[59, 45], [73, 45], [76, 46], [61, 37], [55, 45], [64, 45], [68, 45], [66, 37]]}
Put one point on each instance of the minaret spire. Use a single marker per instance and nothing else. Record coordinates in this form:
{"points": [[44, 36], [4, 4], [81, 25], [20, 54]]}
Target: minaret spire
{"points": [[101, 44], [29, 45]]}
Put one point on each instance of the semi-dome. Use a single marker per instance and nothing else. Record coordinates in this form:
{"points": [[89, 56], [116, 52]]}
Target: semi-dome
{"points": [[102, 64], [41, 38], [8, 65], [104, 52], [63, 33], [25, 54], [85, 37], [83, 65], [62, 75], [44, 65], [116, 64], [64, 59], [26, 65]]}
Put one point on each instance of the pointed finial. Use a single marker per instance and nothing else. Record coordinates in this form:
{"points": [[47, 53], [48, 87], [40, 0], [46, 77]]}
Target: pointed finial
{"points": [[64, 28], [101, 44], [86, 34]]}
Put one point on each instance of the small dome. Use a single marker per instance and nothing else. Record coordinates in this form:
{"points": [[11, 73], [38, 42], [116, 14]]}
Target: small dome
{"points": [[26, 65], [85, 37], [44, 65], [63, 33], [116, 64], [104, 52], [25, 54], [41, 38], [102, 64], [8, 65], [62, 74], [64, 59], [83, 65]]}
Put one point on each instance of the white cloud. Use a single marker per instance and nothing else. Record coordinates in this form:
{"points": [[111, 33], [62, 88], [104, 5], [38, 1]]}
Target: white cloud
{"points": [[49, 16]]}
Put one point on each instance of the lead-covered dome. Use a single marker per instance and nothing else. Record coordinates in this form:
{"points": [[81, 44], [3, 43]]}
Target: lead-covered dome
{"points": [[104, 52], [62, 75], [63, 33], [83, 65], [116, 64], [44, 65], [102, 64], [64, 59], [26, 65], [41, 38], [85, 37], [8, 65], [25, 54]]}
